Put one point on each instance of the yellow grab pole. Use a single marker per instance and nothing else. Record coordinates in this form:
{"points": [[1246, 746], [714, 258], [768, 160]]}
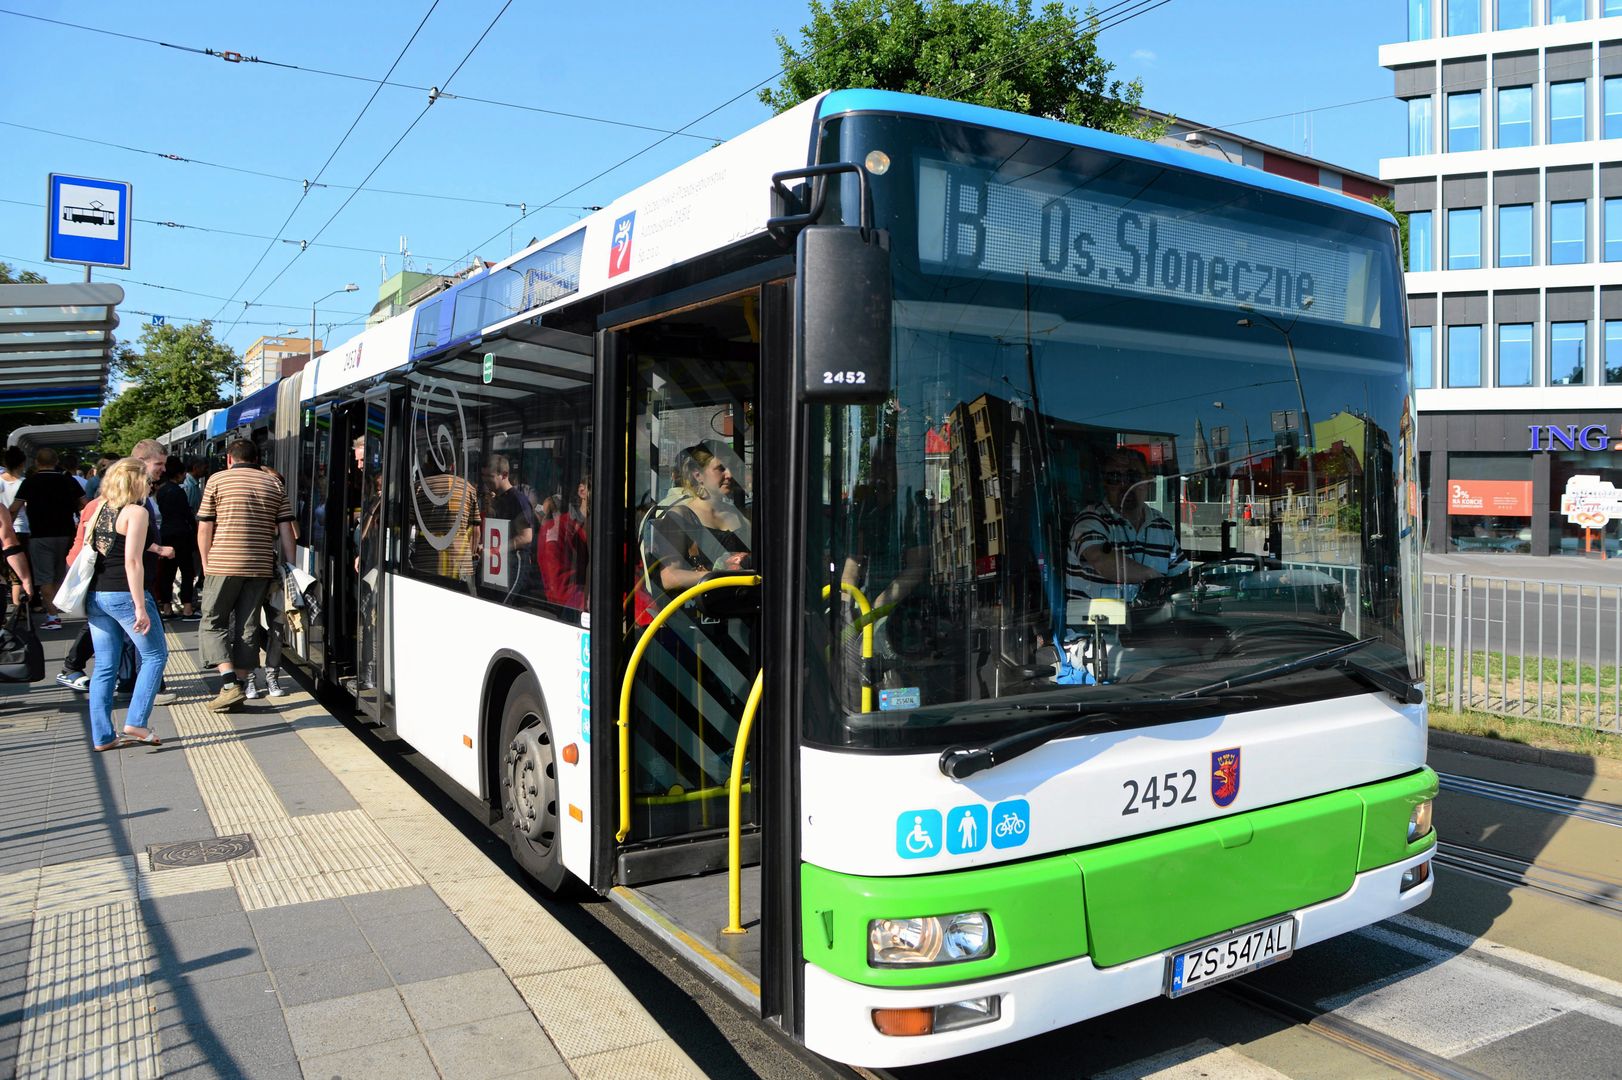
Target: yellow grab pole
{"points": [[740, 751], [867, 632], [730, 581]]}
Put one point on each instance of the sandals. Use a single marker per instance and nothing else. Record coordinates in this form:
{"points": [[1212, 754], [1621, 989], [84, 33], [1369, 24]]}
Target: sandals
{"points": [[128, 738], [114, 745]]}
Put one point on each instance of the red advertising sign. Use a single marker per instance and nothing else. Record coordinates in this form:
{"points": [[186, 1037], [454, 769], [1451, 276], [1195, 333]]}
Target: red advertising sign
{"points": [[1489, 498]]}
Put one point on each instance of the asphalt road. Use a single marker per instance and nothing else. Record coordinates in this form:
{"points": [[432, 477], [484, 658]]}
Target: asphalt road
{"points": [[1549, 623]]}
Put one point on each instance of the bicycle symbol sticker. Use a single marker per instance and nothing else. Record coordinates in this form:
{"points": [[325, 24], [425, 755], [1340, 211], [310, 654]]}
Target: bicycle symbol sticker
{"points": [[1010, 823], [918, 834]]}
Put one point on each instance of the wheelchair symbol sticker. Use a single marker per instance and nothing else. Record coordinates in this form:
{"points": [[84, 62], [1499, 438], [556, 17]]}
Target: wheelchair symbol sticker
{"points": [[1010, 823], [918, 834]]}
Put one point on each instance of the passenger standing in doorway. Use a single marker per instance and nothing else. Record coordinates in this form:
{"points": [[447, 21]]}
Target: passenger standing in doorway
{"points": [[243, 513]]}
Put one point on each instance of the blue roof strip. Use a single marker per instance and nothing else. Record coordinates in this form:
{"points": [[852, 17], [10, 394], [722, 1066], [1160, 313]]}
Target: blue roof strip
{"points": [[841, 102]]}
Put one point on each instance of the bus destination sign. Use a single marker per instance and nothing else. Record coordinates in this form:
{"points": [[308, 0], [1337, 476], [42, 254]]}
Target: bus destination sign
{"points": [[971, 221]]}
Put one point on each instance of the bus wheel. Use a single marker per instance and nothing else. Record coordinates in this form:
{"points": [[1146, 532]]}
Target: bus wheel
{"points": [[529, 786]]}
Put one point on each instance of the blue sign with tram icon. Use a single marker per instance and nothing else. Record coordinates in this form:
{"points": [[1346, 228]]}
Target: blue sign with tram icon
{"points": [[87, 221]]}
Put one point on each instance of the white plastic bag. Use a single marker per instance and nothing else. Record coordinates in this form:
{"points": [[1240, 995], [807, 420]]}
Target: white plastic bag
{"points": [[70, 595]]}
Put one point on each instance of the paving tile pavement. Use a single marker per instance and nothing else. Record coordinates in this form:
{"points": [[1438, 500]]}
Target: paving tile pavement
{"points": [[365, 937]]}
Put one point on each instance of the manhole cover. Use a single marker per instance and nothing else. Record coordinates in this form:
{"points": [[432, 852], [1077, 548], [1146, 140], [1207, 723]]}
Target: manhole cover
{"points": [[198, 852]]}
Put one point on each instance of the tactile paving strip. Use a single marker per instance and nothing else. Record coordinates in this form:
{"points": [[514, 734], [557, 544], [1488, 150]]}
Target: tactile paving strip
{"points": [[86, 1011]]}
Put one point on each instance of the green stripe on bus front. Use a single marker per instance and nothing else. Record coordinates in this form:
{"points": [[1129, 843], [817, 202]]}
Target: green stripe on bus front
{"points": [[1387, 808], [1128, 899], [1035, 909]]}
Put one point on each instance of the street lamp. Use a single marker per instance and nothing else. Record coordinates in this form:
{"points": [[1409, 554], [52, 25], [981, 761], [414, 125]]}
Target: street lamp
{"points": [[351, 287], [1306, 418], [1250, 462]]}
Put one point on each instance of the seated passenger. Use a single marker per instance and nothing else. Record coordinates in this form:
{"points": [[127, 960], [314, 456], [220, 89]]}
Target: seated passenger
{"points": [[1120, 543], [565, 551], [704, 532]]}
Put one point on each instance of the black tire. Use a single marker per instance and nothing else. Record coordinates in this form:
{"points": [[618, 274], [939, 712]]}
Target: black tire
{"points": [[527, 765]]}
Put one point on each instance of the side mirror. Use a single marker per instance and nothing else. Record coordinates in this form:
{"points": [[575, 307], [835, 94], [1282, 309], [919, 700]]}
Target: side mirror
{"points": [[844, 301]]}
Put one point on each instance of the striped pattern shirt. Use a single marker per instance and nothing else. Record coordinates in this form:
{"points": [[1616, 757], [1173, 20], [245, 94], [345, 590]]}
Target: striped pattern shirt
{"points": [[246, 505], [1154, 545]]}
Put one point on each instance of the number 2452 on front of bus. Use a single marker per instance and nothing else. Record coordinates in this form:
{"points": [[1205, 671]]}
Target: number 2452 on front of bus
{"points": [[1218, 959]]}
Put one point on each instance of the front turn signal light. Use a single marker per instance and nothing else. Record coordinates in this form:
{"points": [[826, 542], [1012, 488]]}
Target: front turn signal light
{"points": [[1419, 822]]}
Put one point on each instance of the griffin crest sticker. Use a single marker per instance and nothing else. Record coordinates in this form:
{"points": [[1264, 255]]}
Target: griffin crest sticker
{"points": [[1225, 776]]}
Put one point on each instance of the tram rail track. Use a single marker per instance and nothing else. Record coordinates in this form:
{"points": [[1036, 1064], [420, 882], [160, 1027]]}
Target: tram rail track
{"points": [[1565, 805], [1510, 870]]}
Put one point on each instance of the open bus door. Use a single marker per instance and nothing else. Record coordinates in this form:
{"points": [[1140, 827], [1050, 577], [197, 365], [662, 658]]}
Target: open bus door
{"points": [[683, 403]]}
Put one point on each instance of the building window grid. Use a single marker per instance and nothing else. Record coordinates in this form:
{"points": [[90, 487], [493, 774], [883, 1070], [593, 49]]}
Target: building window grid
{"points": [[1463, 17], [1464, 238], [1611, 106], [1564, 11], [1464, 121], [1568, 232], [1464, 356], [1421, 134], [1612, 363], [1513, 14], [1421, 242], [1514, 360], [1514, 235], [1611, 231], [1568, 108], [1568, 342], [1514, 116], [1422, 348]]}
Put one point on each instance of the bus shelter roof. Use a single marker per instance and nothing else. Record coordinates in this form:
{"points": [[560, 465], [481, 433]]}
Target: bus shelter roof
{"points": [[56, 344], [56, 436]]}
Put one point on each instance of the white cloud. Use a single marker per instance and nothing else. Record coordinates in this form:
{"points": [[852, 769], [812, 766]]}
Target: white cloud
{"points": [[1146, 55]]}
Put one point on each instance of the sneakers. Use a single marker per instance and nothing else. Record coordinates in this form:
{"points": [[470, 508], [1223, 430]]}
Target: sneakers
{"points": [[74, 680], [166, 697], [51, 623], [273, 683], [250, 688], [230, 696]]}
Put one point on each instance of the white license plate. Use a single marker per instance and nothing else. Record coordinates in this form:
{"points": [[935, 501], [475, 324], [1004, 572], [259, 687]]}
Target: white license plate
{"points": [[1232, 954]]}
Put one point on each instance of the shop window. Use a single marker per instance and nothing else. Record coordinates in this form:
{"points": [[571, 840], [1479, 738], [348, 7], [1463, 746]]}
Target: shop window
{"points": [[1421, 243], [1464, 356], [1515, 235], [1582, 468], [1568, 228], [1611, 104], [1564, 11], [1515, 354], [1419, 126], [1514, 14], [1464, 121], [1568, 344], [1463, 17], [1489, 502], [1567, 110], [1515, 116], [1422, 347], [1613, 352], [1464, 239], [1419, 20]]}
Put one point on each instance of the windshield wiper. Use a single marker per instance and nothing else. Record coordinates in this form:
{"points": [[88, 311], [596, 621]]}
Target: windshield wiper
{"points": [[961, 762]]}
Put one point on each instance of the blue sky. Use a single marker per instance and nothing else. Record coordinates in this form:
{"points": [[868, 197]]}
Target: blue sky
{"points": [[1219, 62]]}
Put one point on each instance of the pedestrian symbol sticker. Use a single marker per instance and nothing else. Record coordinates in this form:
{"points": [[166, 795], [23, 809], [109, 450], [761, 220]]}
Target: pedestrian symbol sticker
{"points": [[918, 834], [1010, 823], [965, 829]]}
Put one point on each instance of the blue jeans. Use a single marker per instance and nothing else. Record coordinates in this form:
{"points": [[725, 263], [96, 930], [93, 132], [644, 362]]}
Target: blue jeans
{"points": [[112, 619]]}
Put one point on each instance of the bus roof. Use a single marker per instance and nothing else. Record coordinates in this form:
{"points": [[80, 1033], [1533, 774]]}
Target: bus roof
{"points": [[845, 102]]}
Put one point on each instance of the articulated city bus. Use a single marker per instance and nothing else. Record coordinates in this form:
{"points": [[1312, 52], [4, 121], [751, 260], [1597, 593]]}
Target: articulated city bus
{"points": [[949, 573]]}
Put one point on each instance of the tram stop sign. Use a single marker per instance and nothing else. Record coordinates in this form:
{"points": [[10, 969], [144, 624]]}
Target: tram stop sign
{"points": [[489, 368], [87, 221]]}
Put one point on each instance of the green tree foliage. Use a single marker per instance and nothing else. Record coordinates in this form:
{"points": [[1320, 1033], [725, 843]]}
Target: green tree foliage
{"points": [[176, 374], [1389, 205], [1001, 53], [8, 276]]}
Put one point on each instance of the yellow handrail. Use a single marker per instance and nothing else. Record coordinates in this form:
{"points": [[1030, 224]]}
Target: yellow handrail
{"points": [[867, 633], [675, 605], [740, 751]]}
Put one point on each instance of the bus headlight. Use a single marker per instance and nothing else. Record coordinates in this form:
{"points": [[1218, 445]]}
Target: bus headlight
{"points": [[932, 939], [1419, 822]]}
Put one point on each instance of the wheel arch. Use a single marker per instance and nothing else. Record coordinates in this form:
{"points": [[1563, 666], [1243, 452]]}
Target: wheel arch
{"points": [[502, 673]]}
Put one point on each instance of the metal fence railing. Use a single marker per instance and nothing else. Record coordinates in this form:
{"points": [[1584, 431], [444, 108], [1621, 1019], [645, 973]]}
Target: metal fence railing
{"points": [[1538, 649]]}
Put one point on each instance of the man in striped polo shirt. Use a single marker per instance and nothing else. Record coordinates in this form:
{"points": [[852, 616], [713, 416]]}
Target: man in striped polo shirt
{"points": [[243, 512], [1120, 543]]}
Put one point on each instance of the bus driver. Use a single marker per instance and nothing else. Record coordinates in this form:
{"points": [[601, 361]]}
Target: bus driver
{"points": [[1120, 543]]}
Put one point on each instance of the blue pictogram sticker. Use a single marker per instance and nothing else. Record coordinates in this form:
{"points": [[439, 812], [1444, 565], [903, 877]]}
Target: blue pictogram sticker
{"points": [[918, 834], [905, 697], [966, 829], [1010, 823], [585, 650]]}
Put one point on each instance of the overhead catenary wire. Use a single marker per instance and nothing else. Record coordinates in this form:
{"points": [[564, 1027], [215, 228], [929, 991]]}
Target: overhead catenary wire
{"points": [[240, 58], [386, 154]]}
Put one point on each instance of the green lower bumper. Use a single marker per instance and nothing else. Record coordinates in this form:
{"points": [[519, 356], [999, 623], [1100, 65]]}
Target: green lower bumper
{"points": [[1132, 898]]}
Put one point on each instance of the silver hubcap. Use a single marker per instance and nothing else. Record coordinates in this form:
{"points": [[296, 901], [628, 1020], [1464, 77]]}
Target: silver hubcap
{"points": [[531, 792]]}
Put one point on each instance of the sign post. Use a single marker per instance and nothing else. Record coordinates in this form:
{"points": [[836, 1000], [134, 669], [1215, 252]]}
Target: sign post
{"points": [[1592, 503], [87, 221]]}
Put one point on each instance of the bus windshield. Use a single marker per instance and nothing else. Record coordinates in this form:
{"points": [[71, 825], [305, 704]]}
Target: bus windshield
{"points": [[1149, 429]]}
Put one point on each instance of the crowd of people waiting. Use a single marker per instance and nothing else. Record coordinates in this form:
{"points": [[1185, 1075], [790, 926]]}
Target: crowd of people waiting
{"points": [[171, 543]]}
